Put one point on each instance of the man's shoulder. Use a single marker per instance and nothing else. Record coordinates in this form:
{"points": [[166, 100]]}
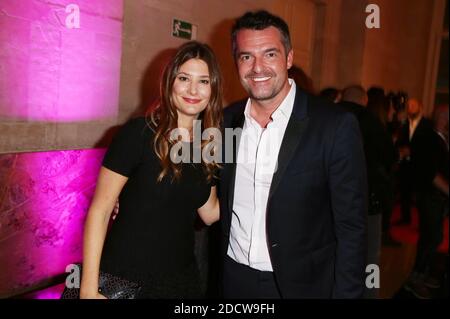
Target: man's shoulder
{"points": [[426, 122], [235, 107], [232, 111], [424, 128]]}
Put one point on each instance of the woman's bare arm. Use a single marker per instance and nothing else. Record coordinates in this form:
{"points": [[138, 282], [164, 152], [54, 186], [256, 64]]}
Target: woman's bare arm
{"points": [[109, 186]]}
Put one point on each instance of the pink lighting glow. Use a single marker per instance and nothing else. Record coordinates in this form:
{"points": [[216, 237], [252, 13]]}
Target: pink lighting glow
{"points": [[44, 198], [50, 72]]}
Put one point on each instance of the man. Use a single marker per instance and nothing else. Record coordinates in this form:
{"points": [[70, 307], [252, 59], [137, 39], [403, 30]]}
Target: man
{"points": [[380, 158], [407, 131], [372, 115], [429, 157], [293, 202]]}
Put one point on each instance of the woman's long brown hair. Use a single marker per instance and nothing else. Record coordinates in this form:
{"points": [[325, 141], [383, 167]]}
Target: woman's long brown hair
{"points": [[164, 118]]}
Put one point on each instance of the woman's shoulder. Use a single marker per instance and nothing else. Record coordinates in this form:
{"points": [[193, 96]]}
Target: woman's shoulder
{"points": [[138, 126]]}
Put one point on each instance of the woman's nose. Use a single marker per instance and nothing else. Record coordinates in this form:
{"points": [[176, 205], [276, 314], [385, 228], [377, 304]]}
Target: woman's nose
{"points": [[193, 88]]}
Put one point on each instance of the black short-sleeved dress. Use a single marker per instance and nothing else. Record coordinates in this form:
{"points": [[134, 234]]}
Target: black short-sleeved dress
{"points": [[152, 239]]}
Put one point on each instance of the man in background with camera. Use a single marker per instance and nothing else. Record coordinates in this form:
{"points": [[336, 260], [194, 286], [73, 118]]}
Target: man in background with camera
{"points": [[428, 152]]}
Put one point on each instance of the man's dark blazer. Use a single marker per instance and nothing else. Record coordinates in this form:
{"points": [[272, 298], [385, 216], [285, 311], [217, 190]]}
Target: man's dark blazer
{"points": [[426, 155], [317, 206]]}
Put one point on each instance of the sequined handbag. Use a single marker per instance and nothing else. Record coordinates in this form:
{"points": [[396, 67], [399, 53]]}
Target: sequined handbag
{"points": [[110, 286]]}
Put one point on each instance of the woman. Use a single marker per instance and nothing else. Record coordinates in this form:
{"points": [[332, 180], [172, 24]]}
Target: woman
{"points": [[381, 174], [151, 242]]}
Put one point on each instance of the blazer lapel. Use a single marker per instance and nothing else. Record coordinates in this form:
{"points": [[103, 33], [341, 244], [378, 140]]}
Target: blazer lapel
{"points": [[238, 122], [294, 130]]}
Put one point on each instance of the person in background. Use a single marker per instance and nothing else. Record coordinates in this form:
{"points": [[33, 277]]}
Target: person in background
{"points": [[380, 157], [301, 79], [331, 94], [429, 157], [383, 159]]}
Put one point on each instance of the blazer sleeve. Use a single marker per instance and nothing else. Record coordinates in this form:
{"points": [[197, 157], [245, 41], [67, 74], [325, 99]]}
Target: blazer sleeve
{"points": [[348, 188]]}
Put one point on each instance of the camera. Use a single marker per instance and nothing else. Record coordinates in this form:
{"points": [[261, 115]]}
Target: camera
{"points": [[398, 100]]}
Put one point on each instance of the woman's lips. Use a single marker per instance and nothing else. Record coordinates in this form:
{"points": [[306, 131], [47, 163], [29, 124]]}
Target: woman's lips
{"points": [[191, 101]]}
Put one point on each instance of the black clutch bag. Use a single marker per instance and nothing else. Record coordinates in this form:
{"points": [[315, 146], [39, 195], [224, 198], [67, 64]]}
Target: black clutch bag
{"points": [[110, 286]]}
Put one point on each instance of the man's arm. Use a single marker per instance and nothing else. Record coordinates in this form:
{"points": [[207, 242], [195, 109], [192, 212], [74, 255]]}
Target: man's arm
{"points": [[348, 188]]}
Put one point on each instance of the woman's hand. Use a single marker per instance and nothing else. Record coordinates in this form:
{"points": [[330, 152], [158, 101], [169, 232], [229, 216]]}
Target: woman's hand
{"points": [[91, 295]]}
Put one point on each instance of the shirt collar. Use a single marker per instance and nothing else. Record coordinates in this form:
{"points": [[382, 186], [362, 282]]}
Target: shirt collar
{"points": [[285, 108], [414, 122]]}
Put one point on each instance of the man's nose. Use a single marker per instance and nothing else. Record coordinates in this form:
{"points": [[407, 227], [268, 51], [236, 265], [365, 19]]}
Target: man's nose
{"points": [[257, 65]]}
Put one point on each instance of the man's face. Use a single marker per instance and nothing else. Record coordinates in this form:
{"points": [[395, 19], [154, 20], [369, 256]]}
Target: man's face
{"points": [[262, 63], [413, 108]]}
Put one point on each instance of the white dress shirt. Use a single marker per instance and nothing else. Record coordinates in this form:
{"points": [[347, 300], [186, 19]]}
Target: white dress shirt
{"points": [[256, 164], [413, 125]]}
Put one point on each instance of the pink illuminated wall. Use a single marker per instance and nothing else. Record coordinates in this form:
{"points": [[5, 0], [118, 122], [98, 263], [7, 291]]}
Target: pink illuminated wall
{"points": [[44, 198], [51, 72]]}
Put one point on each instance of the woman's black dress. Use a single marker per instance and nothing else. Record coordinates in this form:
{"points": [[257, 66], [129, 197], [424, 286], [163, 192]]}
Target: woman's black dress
{"points": [[152, 239]]}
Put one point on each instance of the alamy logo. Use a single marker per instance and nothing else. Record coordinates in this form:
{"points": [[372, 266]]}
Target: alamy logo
{"points": [[74, 278], [373, 277], [373, 19], [73, 19], [266, 156]]}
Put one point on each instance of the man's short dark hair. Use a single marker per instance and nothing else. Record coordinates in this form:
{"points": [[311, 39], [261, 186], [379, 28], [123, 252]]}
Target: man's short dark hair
{"points": [[260, 20], [355, 94]]}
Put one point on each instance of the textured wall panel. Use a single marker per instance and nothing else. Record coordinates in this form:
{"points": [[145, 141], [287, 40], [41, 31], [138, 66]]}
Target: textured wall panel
{"points": [[50, 72], [44, 198]]}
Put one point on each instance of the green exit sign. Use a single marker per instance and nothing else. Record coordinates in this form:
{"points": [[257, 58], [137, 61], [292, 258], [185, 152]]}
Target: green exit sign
{"points": [[184, 30]]}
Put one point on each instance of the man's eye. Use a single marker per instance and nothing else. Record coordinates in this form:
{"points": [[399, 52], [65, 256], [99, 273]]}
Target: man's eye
{"points": [[245, 57], [271, 54]]}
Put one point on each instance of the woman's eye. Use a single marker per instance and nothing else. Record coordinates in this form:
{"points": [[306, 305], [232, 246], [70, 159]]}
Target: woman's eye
{"points": [[204, 81], [182, 78]]}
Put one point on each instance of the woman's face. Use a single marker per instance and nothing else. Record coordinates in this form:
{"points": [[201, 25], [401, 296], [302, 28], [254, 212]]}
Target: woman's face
{"points": [[192, 88]]}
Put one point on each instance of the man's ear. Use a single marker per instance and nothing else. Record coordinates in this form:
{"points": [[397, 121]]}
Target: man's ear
{"points": [[290, 59]]}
